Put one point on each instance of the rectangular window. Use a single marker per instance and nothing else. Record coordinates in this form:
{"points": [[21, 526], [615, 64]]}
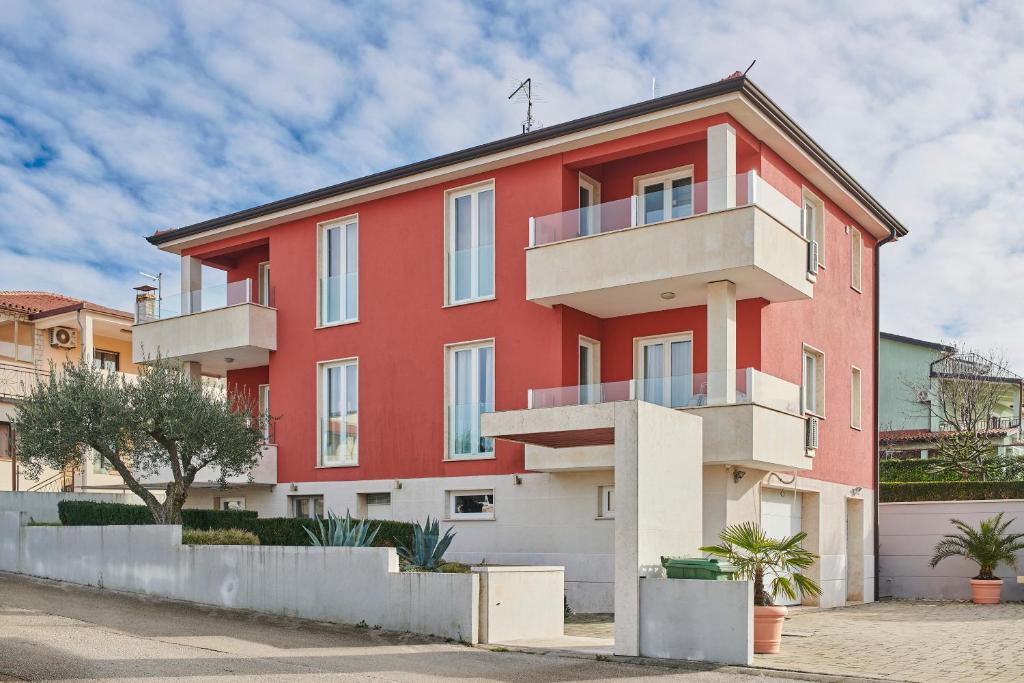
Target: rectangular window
{"points": [[106, 360], [856, 257], [606, 502], [813, 389], [471, 245], [666, 196], [16, 338], [855, 398], [812, 223], [590, 210], [590, 371], [236, 503], [306, 506], [100, 465], [471, 504], [339, 413], [263, 283], [470, 394], [665, 365], [339, 271], [263, 397]]}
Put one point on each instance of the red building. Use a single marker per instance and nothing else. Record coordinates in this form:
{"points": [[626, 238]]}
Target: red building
{"points": [[697, 251]]}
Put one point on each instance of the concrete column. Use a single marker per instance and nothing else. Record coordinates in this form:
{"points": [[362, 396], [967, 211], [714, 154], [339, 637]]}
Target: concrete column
{"points": [[721, 167], [86, 342], [721, 342], [192, 369], [191, 284], [658, 462]]}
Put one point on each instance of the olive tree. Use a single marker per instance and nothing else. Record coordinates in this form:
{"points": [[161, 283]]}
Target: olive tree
{"points": [[162, 421]]}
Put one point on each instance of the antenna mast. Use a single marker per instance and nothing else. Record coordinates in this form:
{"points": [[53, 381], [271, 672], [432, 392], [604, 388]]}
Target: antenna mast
{"points": [[525, 90]]}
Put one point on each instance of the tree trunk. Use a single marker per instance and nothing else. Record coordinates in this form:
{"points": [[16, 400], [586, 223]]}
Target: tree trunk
{"points": [[759, 596]]}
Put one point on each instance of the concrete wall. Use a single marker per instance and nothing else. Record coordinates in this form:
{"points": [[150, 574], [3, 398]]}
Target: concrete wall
{"points": [[347, 585], [42, 507], [517, 603], [701, 620], [908, 533]]}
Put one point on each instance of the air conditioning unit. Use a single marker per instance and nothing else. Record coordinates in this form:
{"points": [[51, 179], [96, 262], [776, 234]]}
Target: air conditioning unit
{"points": [[923, 396], [812, 433], [63, 337], [812, 258]]}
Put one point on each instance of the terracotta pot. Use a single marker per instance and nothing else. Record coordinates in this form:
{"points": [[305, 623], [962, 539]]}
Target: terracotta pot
{"points": [[768, 628], [986, 591]]}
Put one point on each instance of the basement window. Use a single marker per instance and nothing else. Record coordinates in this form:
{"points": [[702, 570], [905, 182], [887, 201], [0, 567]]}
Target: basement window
{"points": [[471, 504]]}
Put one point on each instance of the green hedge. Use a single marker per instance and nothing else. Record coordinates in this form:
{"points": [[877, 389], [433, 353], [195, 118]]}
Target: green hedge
{"points": [[89, 513], [218, 537], [950, 490], [911, 470], [270, 530]]}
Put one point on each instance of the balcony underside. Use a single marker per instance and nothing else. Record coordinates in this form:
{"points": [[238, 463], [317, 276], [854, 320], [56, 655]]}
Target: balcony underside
{"points": [[627, 271]]}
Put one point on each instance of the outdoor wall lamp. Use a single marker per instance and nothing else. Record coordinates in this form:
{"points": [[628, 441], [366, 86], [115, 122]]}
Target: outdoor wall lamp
{"points": [[516, 480], [398, 484], [737, 475], [856, 491]]}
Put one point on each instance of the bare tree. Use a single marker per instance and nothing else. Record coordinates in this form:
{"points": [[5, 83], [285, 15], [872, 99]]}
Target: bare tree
{"points": [[165, 420]]}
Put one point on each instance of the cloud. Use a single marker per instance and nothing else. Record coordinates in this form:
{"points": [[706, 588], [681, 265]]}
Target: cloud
{"points": [[120, 118]]}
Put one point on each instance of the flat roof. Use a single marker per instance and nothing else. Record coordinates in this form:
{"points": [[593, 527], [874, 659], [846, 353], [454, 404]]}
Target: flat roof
{"points": [[736, 84]]}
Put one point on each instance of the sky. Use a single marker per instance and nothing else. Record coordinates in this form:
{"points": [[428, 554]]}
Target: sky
{"points": [[118, 118]]}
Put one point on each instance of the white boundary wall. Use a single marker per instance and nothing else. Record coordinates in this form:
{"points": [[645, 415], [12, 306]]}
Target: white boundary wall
{"points": [[42, 506], [908, 533], [346, 585]]}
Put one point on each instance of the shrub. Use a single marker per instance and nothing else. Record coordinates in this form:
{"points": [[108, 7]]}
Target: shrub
{"points": [[91, 513], [292, 531], [911, 470], [454, 568], [342, 532], [218, 537], [950, 490]]}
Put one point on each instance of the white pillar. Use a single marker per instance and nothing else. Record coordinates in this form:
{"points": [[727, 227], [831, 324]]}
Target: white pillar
{"points": [[193, 369], [191, 284], [721, 167], [86, 342], [721, 342]]}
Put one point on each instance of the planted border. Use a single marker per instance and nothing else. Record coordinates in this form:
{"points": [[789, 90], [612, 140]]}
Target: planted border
{"points": [[912, 492]]}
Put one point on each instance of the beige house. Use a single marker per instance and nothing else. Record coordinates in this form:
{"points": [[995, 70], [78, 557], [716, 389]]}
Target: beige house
{"points": [[40, 328]]}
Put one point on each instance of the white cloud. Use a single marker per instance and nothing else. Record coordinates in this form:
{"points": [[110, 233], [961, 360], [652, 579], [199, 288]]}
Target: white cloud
{"points": [[117, 119]]}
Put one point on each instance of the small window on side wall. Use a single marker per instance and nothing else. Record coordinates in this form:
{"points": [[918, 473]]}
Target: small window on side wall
{"points": [[856, 259], [855, 398], [606, 502], [813, 387], [812, 227], [471, 504]]}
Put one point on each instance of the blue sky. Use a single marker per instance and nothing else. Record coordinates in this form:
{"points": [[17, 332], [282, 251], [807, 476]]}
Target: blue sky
{"points": [[118, 119]]}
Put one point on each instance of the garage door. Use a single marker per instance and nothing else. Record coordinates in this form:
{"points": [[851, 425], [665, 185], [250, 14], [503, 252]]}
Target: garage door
{"points": [[780, 517]]}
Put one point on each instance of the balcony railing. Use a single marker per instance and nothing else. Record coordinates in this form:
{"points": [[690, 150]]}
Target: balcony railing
{"points": [[694, 390], [17, 382], [199, 300], [746, 189]]}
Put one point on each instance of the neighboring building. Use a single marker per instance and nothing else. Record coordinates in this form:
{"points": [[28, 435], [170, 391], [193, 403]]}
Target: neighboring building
{"points": [[38, 329], [697, 251], [911, 424]]}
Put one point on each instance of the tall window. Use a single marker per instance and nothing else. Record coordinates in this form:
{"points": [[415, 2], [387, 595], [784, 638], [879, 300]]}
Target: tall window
{"points": [[471, 394], [812, 223], [666, 197], [471, 245], [339, 413], [590, 359], [263, 283], [339, 277], [590, 210], [6, 440], [855, 398], [813, 389], [16, 340], [264, 408], [856, 256], [666, 371]]}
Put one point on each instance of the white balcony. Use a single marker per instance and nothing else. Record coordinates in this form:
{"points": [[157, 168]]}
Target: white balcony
{"points": [[263, 474], [221, 328], [613, 259]]}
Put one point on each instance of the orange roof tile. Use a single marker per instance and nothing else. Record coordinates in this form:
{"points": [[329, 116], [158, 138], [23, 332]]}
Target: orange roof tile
{"points": [[42, 304]]}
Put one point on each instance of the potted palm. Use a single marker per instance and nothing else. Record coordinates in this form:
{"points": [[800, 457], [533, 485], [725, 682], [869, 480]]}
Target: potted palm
{"points": [[989, 546], [756, 556]]}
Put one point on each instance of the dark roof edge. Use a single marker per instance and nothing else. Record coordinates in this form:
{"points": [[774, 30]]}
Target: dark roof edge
{"points": [[945, 348], [726, 86]]}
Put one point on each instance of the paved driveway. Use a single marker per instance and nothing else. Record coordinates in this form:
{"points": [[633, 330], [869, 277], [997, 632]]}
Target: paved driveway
{"points": [[51, 631], [906, 641]]}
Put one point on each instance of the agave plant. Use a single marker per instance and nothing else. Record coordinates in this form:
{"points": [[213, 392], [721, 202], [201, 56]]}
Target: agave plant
{"points": [[428, 546], [989, 545], [342, 532], [755, 554]]}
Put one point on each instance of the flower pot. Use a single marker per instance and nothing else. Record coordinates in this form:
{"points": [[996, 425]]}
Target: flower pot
{"points": [[768, 628], [986, 591]]}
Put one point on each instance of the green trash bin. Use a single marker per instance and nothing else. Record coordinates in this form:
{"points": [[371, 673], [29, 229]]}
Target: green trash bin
{"points": [[697, 568]]}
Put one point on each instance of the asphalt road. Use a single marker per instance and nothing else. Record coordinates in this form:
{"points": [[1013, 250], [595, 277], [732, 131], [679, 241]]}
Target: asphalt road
{"points": [[53, 631]]}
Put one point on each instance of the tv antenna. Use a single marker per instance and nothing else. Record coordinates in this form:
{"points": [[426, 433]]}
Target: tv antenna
{"points": [[525, 92]]}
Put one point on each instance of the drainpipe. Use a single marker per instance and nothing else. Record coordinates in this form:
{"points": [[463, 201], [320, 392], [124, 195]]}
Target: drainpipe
{"points": [[878, 350]]}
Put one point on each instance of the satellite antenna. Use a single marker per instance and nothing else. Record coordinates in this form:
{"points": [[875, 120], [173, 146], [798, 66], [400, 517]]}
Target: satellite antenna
{"points": [[525, 91]]}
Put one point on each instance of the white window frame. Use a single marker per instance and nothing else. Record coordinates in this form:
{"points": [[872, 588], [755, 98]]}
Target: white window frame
{"points": [[856, 397], [816, 231], [606, 502], [818, 382], [639, 344], [312, 498], [230, 499], [451, 196], [593, 350], [856, 259], [593, 212], [15, 343], [665, 178], [344, 224], [453, 515], [451, 392], [322, 407], [263, 283], [263, 405]]}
